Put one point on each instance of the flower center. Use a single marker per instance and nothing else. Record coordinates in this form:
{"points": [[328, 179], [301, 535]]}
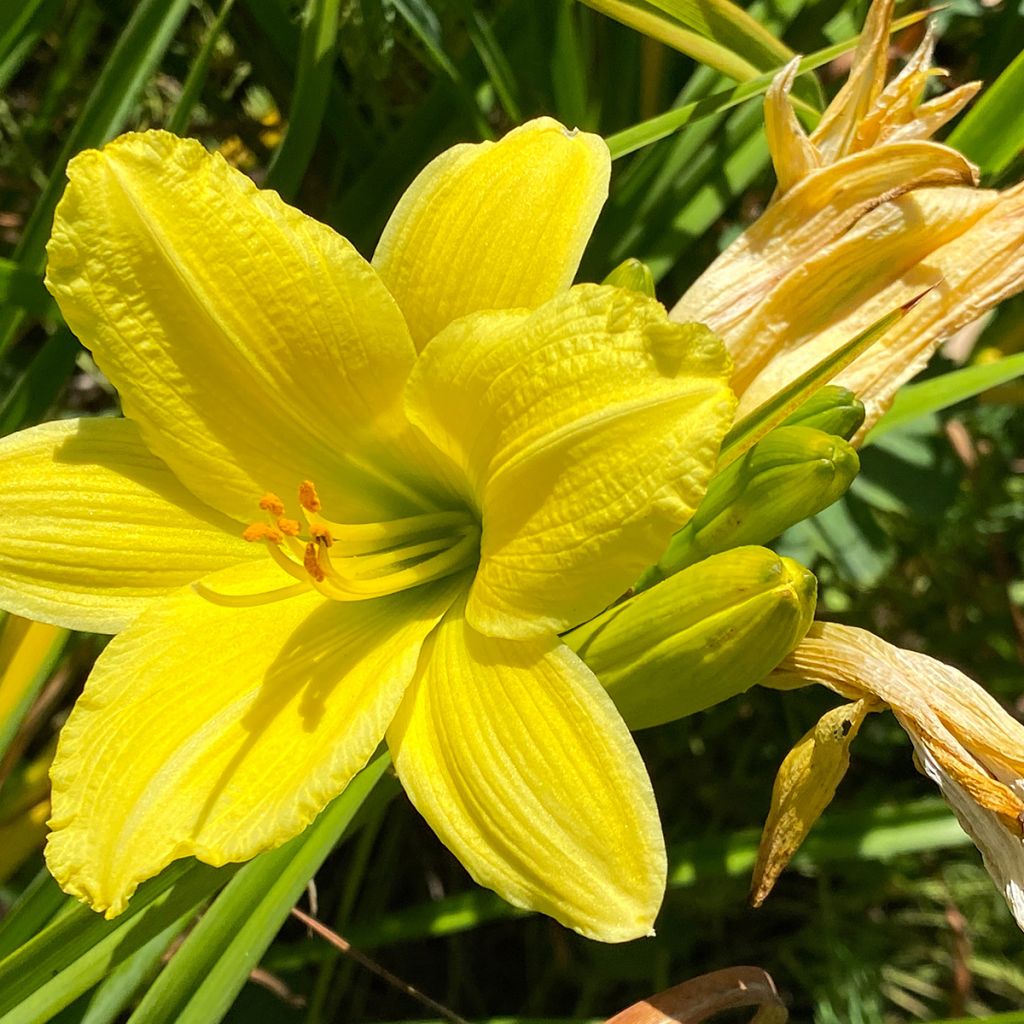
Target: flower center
{"points": [[356, 561]]}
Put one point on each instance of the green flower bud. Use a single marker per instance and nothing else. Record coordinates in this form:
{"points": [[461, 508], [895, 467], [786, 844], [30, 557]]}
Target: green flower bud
{"points": [[792, 473], [706, 634], [632, 275], [833, 409]]}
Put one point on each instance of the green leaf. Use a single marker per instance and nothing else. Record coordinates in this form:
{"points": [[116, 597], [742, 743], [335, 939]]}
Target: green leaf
{"points": [[871, 834], [207, 972], [33, 909], [939, 393], [36, 390], [315, 73], [24, 289], [80, 947], [992, 132], [193, 86], [643, 134], [135, 57], [716, 33]]}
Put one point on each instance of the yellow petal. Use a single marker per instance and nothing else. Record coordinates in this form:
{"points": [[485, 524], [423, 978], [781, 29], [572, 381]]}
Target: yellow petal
{"points": [[804, 787], [967, 731], [793, 153], [836, 132], [220, 732], [93, 527], [587, 431], [253, 346], [887, 259], [814, 213], [1001, 849], [494, 226], [969, 243], [520, 763]]}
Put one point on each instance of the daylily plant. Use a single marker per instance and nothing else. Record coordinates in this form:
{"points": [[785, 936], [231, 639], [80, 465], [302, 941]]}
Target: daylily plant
{"points": [[868, 214], [351, 500]]}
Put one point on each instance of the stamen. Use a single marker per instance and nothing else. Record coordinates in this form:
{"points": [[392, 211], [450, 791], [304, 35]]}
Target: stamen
{"points": [[249, 600], [262, 531], [289, 527], [311, 563], [321, 534], [272, 503], [308, 498]]}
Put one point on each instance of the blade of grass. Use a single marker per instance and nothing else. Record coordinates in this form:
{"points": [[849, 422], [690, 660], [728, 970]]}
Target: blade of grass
{"points": [[653, 129], [21, 28], [200, 983], [135, 57], [317, 48], [869, 834], [117, 990], [80, 947], [181, 115], [36, 390], [992, 132], [33, 909], [939, 393]]}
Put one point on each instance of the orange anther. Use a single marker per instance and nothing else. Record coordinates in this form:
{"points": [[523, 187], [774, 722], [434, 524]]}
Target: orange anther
{"points": [[308, 497], [312, 564], [272, 503], [322, 535], [289, 527], [261, 531]]}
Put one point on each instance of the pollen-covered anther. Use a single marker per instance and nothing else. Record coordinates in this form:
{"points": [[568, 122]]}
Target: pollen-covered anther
{"points": [[272, 503], [308, 498], [262, 531], [289, 527], [321, 534], [311, 563]]}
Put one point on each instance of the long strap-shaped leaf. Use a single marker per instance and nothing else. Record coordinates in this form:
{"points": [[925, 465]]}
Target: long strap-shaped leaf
{"points": [[643, 134], [135, 57], [79, 947]]}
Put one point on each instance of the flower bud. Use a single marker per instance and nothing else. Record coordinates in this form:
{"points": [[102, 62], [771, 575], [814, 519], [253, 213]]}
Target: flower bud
{"points": [[791, 474], [634, 276], [706, 634], [833, 410]]}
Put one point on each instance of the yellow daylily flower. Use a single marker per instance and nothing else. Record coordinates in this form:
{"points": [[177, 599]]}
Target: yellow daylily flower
{"points": [[868, 214], [963, 739], [474, 457]]}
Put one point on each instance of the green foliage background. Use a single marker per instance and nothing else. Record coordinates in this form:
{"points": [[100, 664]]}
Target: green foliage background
{"points": [[887, 915]]}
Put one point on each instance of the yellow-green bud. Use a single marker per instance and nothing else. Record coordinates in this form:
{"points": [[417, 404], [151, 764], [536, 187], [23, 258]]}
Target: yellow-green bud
{"points": [[633, 275], [833, 409], [706, 634], [792, 473]]}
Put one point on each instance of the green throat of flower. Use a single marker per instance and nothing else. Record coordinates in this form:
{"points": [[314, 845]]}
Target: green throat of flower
{"points": [[355, 561]]}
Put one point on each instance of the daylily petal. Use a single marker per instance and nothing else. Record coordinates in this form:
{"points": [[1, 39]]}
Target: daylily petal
{"points": [[1001, 850], [93, 526], [221, 732], [253, 346], [498, 225], [893, 254], [587, 431], [836, 132], [518, 760], [811, 215], [974, 740], [793, 153], [804, 787]]}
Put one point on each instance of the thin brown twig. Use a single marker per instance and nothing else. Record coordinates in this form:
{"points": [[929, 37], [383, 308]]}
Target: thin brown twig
{"points": [[371, 965]]}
